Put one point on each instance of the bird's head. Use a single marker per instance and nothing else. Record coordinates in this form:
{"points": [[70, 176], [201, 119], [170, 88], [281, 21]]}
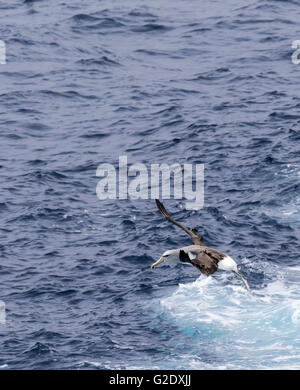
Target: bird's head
{"points": [[168, 257]]}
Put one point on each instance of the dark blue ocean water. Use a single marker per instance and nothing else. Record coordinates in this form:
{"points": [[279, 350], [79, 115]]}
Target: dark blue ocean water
{"points": [[207, 82]]}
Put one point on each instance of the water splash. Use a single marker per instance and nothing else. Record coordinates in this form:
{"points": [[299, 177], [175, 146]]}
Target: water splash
{"points": [[238, 329]]}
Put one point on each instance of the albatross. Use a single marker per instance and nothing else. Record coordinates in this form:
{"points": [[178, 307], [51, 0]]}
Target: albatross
{"points": [[207, 260]]}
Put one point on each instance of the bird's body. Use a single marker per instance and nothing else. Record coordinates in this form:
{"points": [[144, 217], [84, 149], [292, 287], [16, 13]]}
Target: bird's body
{"points": [[207, 260]]}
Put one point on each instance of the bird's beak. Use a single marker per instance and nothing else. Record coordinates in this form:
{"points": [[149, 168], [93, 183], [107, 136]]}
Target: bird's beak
{"points": [[161, 260], [243, 278]]}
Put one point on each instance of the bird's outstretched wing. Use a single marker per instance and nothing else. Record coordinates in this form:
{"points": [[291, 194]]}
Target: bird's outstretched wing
{"points": [[197, 240], [205, 259]]}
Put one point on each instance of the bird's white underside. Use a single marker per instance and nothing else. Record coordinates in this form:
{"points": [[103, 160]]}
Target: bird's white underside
{"points": [[227, 264]]}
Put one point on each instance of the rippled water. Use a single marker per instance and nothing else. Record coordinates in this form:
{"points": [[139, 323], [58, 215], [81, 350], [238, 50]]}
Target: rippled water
{"points": [[187, 82]]}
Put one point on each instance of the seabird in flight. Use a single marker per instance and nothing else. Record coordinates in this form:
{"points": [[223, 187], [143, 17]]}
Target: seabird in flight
{"points": [[206, 259]]}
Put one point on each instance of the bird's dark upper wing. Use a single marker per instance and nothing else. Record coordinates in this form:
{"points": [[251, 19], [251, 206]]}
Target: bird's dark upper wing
{"points": [[205, 259], [197, 240]]}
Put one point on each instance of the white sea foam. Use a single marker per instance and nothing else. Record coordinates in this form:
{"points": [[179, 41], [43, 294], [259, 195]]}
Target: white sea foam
{"points": [[238, 329], [290, 210], [220, 325]]}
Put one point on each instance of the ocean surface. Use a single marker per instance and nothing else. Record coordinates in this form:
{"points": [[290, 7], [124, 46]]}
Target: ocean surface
{"points": [[208, 82]]}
